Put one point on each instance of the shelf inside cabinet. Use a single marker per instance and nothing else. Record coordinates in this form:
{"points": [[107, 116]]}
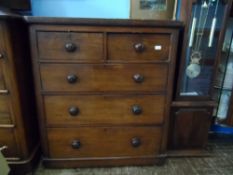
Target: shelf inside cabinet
{"points": [[223, 88]]}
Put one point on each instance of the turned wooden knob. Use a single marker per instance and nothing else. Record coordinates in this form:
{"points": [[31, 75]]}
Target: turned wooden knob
{"points": [[73, 111], [139, 47], [136, 109], [76, 144], [138, 78], [136, 142], [70, 47], [72, 79]]}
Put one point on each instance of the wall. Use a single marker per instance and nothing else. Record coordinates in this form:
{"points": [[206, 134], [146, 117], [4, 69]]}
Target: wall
{"points": [[82, 8]]}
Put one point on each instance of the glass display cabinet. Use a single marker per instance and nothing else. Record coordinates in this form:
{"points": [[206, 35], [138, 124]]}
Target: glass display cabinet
{"points": [[223, 84], [193, 103], [201, 49]]}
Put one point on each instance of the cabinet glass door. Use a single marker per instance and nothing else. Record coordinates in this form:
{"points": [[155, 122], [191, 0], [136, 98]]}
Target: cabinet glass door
{"points": [[201, 47], [223, 84]]}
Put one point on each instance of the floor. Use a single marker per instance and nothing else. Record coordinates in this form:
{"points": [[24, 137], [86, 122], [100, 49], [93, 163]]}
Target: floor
{"points": [[219, 163]]}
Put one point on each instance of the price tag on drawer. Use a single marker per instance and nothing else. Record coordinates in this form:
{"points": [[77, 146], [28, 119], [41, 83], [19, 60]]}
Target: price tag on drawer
{"points": [[158, 47]]}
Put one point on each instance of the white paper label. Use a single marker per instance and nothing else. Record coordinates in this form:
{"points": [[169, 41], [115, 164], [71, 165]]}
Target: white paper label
{"points": [[158, 47]]}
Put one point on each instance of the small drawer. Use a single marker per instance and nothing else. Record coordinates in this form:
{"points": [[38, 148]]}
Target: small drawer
{"points": [[103, 142], [139, 47], [7, 139], [117, 77], [5, 112], [105, 109], [70, 46]]}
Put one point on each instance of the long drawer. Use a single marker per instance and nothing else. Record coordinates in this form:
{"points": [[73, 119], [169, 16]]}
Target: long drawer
{"points": [[101, 78], [139, 47], [104, 109], [70, 46], [103, 142], [7, 139]]}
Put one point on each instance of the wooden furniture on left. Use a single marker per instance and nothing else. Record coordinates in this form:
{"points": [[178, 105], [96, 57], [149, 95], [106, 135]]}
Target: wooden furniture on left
{"points": [[18, 126]]}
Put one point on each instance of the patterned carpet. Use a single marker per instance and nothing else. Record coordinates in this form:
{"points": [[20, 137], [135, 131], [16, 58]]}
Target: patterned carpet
{"points": [[219, 163]]}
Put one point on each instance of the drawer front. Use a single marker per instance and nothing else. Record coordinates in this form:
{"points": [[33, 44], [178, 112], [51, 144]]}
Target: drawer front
{"points": [[7, 139], [67, 77], [87, 109], [70, 46], [139, 47], [5, 113], [103, 142]]}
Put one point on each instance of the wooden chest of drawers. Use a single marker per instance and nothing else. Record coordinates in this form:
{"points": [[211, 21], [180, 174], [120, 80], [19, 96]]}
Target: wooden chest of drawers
{"points": [[103, 89]]}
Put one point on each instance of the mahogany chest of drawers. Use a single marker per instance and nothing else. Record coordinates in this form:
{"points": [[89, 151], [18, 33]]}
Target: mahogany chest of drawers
{"points": [[103, 89]]}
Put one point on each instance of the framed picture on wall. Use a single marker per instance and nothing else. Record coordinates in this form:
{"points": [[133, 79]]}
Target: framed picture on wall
{"points": [[153, 9]]}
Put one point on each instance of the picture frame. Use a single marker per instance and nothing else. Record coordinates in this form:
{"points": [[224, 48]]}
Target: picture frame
{"points": [[153, 9], [16, 4]]}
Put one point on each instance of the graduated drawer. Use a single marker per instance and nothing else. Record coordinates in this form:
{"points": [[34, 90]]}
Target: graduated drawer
{"points": [[103, 142], [7, 139], [104, 109], [139, 47], [70, 46], [96, 77], [5, 112]]}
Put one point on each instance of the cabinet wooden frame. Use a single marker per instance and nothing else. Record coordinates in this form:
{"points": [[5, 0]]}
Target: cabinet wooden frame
{"points": [[189, 137]]}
